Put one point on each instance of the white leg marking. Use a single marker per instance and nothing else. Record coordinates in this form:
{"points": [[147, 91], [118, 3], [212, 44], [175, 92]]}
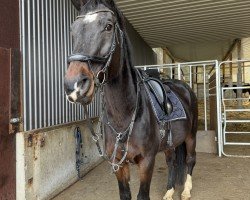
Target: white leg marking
{"points": [[169, 195], [186, 195]]}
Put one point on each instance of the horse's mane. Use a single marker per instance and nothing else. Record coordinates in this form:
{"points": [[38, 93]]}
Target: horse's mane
{"points": [[93, 5]]}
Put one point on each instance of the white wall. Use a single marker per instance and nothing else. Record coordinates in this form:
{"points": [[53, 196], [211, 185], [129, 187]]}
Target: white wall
{"points": [[47, 168]]}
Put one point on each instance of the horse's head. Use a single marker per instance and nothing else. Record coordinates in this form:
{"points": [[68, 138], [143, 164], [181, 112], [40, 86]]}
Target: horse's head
{"points": [[95, 34]]}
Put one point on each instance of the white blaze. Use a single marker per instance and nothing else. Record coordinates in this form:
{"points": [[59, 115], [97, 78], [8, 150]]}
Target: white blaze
{"points": [[75, 86], [90, 17]]}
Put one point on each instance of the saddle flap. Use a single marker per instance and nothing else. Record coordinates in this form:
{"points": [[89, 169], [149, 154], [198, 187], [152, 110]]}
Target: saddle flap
{"points": [[157, 90]]}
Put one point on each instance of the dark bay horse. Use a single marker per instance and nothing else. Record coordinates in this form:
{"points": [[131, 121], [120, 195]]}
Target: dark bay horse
{"points": [[101, 56]]}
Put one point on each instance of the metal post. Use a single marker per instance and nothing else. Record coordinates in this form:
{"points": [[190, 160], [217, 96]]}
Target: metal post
{"points": [[205, 95], [29, 67], [44, 65], [190, 76], [39, 65], [218, 99], [23, 36], [179, 71]]}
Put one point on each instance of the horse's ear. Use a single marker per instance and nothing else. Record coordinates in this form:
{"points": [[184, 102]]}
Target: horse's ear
{"points": [[79, 3]]}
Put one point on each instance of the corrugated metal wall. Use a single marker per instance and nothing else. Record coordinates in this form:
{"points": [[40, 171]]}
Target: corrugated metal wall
{"points": [[46, 43]]}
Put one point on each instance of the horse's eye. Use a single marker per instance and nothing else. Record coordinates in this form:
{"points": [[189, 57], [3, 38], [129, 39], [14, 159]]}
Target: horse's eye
{"points": [[109, 27]]}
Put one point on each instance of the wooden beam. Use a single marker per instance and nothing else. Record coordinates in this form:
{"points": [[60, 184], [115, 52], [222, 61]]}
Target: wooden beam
{"points": [[231, 49], [173, 58], [239, 75]]}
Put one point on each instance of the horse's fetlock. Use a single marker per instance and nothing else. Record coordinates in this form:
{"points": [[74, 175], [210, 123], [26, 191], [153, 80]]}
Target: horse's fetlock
{"points": [[126, 196]]}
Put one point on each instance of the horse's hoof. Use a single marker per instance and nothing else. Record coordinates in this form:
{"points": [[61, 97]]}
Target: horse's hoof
{"points": [[169, 195], [185, 196], [169, 198]]}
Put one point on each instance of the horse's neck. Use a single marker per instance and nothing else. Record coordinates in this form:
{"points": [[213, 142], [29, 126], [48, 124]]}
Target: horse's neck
{"points": [[120, 98]]}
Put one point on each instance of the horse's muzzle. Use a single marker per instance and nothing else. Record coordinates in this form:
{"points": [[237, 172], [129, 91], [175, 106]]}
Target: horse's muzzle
{"points": [[77, 89]]}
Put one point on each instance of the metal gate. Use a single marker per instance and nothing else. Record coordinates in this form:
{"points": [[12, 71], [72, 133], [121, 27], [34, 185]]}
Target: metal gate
{"points": [[197, 75], [233, 108], [213, 109], [46, 43]]}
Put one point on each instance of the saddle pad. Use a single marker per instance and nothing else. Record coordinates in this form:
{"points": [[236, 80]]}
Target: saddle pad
{"points": [[178, 110]]}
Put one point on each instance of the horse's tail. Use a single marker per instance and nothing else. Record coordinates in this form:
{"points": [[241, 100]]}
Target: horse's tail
{"points": [[181, 153]]}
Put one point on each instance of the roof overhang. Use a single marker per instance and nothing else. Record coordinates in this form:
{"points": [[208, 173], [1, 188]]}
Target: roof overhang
{"points": [[189, 25]]}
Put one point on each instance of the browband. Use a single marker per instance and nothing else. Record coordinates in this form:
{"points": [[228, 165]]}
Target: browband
{"points": [[94, 12], [85, 58]]}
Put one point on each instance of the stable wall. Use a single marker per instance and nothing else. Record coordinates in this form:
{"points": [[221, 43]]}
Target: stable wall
{"points": [[46, 161], [142, 53]]}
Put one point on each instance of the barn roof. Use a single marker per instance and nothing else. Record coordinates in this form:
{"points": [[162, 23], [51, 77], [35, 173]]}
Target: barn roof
{"points": [[184, 25]]}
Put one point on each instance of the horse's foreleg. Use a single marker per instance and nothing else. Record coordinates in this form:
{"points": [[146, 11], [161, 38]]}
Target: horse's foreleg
{"points": [[170, 159], [123, 178], [146, 167], [190, 160]]}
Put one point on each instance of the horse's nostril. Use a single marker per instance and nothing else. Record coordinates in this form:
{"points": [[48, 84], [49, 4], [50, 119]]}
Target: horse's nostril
{"points": [[70, 99], [84, 83], [68, 90]]}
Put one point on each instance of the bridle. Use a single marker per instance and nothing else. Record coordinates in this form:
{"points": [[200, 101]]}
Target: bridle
{"points": [[105, 60]]}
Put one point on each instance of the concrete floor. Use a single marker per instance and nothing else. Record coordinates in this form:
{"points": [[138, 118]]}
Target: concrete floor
{"points": [[213, 179]]}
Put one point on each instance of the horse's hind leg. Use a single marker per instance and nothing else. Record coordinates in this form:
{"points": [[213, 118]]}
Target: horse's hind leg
{"points": [[123, 177], [190, 160], [170, 159]]}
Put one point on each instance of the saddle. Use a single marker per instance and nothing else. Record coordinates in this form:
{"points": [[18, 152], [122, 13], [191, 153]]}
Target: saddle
{"points": [[151, 78], [166, 105]]}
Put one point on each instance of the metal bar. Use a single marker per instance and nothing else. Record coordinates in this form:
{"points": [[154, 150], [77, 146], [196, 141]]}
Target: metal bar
{"points": [[179, 71], [55, 61], [29, 68], [237, 88], [218, 96], [237, 121], [190, 77], [235, 99], [61, 63], [65, 32], [23, 39], [39, 65], [51, 94], [234, 61], [237, 110], [44, 64], [231, 132], [48, 103], [205, 95], [34, 67], [209, 62], [68, 52], [237, 143]]}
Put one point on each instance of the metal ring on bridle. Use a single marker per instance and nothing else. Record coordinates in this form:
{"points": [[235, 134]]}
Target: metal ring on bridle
{"points": [[98, 76]]}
